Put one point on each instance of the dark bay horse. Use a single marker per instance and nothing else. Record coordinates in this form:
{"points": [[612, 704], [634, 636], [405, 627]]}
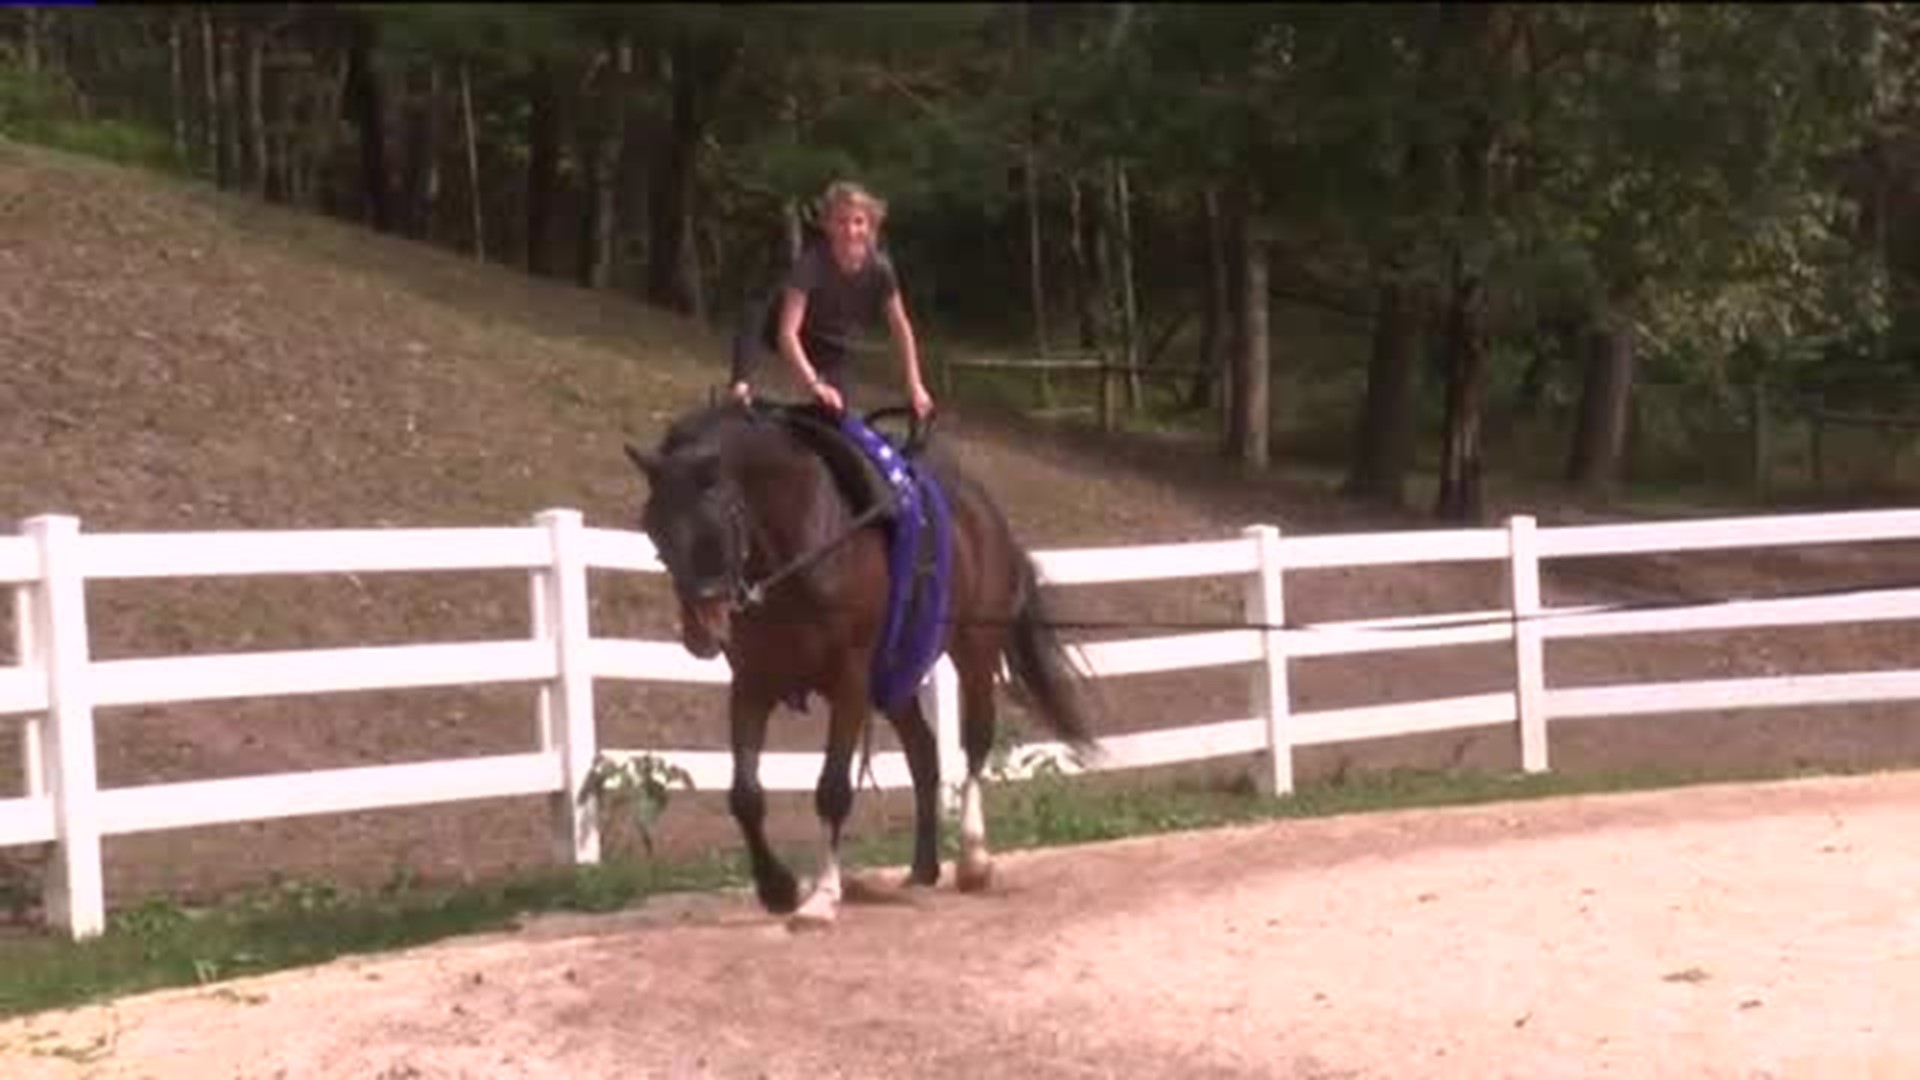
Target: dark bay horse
{"points": [[739, 502]]}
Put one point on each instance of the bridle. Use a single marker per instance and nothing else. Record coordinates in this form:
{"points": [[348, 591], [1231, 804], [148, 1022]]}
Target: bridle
{"points": [[748, 595], [744, 595]]}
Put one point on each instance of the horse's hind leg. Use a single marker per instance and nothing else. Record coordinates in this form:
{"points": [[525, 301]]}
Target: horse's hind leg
{"points": [[923, 762], [975, 869]]}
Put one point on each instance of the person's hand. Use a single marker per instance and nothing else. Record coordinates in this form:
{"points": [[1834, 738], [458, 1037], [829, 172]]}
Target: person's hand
{"points": [[741, 393], [922, 402], [825, 394]]}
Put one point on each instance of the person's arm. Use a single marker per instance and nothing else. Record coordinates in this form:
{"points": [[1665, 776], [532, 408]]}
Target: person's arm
{"points": [[793, 311], [902, 327]]}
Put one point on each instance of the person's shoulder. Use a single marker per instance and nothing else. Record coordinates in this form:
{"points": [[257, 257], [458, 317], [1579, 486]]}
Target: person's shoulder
{"points": [[883, 270], [809, 268]]}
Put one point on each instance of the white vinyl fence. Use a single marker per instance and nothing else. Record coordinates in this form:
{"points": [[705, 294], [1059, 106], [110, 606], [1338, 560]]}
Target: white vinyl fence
{"points": [[52, 692]]}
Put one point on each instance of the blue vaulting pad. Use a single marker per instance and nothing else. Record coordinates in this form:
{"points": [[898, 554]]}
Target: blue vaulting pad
{"points": [[919, 569]]}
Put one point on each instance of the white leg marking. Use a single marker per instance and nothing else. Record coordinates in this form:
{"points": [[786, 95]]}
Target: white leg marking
{"points": [[973, 817], [824, 903], [976, 866]]}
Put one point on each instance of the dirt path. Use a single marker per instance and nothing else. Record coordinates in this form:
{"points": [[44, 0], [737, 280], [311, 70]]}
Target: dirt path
{"points": [[1768, 931]]}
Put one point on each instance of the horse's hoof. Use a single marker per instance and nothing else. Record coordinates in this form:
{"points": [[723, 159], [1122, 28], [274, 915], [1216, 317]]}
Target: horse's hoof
{"points": [[820, 913], [922, 877], [779, 894], [974, 874]]}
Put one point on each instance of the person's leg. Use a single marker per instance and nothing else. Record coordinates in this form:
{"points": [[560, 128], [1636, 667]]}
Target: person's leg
{"points": [[751, 340]]}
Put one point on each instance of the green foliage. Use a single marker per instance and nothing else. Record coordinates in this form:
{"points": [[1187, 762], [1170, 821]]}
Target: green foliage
{"points": [[642, 785], [41, 110], [1693, 169]]}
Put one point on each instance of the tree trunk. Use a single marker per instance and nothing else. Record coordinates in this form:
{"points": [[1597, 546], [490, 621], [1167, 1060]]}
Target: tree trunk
{"points": [[473, 165], [281, 142], [1036, 260], [1599, 442], [1217, 316], [421, 182], [367, 102], [1102, 302], [177, 80], [1233, 430], [672, 179], [33, 39], [696, 68], [1383, 442], [1460, 496], [694, 274], [297, 107], [210, 65], [256, 47], [1251, 402], [1030, 182], [436, 140], [796, 233], [606, 172], [233, 161], [1123, 273], [317, 149], [543, 166], [1081, 281]]}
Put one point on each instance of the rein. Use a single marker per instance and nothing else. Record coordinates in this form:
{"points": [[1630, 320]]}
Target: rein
{"points": [[749, 595]]}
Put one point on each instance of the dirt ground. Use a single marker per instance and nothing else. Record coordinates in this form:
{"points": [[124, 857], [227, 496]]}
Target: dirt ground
{"points": [[1739, 932]]}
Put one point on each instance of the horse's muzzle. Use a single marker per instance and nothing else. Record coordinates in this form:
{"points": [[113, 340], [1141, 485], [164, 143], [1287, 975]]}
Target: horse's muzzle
{"points": [[706, 624]]}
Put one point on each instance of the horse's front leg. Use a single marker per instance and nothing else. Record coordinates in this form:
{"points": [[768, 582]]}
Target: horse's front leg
{"points": [[779, 893], [833, 800]]}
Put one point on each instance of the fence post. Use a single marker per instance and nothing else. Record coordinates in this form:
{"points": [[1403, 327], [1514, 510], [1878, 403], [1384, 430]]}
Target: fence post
{"points": [[26, 646], [1266, 608], [1529, 654], [560, 615], [76, 889], [940, 703]]}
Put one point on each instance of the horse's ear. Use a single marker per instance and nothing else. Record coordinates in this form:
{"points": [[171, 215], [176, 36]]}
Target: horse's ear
{"points": [[646, 462]]}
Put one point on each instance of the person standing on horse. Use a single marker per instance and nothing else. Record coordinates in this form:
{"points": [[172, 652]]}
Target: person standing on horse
{"points": [[833, 289]]}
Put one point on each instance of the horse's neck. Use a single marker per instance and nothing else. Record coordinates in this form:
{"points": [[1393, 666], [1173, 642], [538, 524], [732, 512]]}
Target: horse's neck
{"points": [[791, 493]]}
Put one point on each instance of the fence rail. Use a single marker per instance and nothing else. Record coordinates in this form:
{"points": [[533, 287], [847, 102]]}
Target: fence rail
{"points": [[53, 688], [1108, 370]]}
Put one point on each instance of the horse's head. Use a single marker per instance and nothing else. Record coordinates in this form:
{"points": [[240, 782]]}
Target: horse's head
{"points": [[694, 516]]}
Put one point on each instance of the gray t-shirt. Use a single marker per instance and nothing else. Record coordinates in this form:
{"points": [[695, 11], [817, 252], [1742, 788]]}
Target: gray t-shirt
{"points": [[839, 304]]}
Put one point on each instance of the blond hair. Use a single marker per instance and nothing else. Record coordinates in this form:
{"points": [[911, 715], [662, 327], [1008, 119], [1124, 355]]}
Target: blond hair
{"points": [[843, 192]]}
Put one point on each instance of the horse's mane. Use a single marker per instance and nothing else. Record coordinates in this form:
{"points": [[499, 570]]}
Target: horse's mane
{"points": [[704, 430]]}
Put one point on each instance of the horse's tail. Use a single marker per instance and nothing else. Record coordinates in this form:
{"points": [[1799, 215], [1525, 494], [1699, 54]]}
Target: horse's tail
{"points": [[1038, 663]]}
